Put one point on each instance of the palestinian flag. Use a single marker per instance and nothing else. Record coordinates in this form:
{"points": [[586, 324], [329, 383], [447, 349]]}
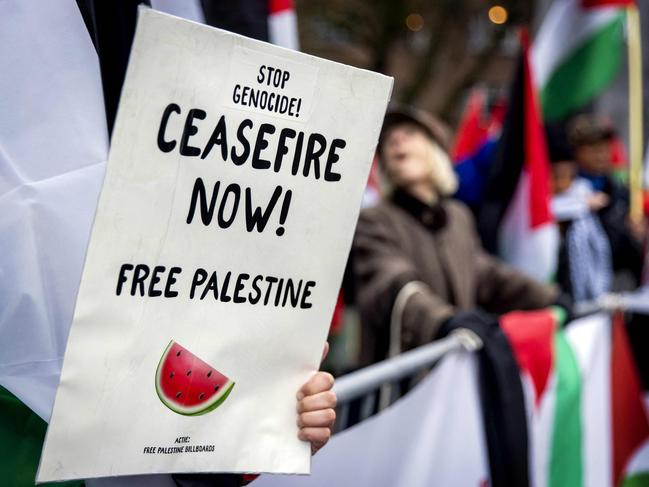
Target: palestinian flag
{"points": [[514, 218], [587, 416], [577, 52]]}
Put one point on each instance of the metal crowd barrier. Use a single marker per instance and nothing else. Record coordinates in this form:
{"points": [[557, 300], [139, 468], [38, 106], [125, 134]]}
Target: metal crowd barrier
{"points": [[362, 384]]}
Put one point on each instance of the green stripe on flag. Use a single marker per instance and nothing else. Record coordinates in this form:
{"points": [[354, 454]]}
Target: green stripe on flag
{"points": [[585, 72], [637, 480], [566, 454], [21, 438]]}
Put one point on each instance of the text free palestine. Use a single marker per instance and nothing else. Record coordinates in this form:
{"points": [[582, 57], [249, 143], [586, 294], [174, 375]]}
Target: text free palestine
{"points": [[228, 287]]}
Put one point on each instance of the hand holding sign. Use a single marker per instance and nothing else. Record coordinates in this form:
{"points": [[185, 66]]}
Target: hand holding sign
{"points": [[315, 407]]}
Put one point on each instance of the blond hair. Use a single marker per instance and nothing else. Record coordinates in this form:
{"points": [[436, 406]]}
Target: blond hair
{"points": [[442, 175]]}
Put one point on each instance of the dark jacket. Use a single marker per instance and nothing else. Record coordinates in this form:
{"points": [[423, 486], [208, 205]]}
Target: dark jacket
{"points": [[404, 240], [626, 251]]}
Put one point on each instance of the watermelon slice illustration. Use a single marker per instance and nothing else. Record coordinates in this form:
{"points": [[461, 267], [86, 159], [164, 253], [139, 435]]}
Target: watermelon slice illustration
{"points": [[187, 385]]}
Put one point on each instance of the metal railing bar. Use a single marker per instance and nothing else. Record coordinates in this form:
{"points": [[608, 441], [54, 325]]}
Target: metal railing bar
{"points": [[636, 302], [367, 379]]}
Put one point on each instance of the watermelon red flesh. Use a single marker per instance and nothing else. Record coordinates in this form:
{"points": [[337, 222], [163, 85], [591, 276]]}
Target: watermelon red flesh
{"points": [[188, 385]]}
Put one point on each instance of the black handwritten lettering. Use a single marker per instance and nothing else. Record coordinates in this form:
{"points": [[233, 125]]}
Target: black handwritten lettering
{"points": [[258, 218], [190, 130], [163, 145], [200, 193]]}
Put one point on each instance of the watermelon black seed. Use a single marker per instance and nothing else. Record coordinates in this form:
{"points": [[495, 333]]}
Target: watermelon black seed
{"points": [[209, 373], [201, 395], [178, 353], [171, 376], [216, 388], [178, 394], [189, 372]]}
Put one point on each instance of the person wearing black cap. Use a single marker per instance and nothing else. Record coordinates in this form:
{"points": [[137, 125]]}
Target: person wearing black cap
{"points": [[416, 258]]}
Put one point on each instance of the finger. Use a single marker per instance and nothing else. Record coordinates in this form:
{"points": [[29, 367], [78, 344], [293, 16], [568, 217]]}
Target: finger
{"points": [[323, 418], [322, 400], [320, 382], [325, 352], [318, 437]]}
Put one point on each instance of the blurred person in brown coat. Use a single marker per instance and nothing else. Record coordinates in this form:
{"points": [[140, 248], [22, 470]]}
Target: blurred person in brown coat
{"points": [[416, 257]]}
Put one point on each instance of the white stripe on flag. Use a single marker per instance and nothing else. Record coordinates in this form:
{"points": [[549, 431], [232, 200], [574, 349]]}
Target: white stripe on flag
{"points": [[565, 27], [432, 436], [282, 29], [590, 339], [533, 251], [540, 425], [640, 461]]}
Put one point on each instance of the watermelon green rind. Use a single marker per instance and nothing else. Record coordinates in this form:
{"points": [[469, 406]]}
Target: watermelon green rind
{"points": [[215, 402], [157, 379], [222, 397], [227, 389]]}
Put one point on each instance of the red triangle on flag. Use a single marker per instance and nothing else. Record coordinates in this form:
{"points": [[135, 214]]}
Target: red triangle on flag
{"points": [[531, 335], [537, 160], [629, 417]]}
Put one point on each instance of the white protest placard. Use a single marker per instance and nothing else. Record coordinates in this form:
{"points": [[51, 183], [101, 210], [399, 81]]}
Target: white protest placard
{"points": [[231, 195]]}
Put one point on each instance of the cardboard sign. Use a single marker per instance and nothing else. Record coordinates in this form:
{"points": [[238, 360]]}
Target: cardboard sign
{"points": [[232, 190]]}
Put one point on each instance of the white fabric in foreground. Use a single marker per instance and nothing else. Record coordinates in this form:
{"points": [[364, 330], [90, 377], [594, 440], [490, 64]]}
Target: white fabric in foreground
{"points": [[432, 436], [53, 144], [53, 148]]}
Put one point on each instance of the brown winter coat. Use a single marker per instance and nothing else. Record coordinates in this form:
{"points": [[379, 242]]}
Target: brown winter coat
{"points": [[405, 240]]}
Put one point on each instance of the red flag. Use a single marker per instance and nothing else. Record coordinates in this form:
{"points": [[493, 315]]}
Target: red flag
{"points": [[473, 130], [477, 126], [538, 160]]}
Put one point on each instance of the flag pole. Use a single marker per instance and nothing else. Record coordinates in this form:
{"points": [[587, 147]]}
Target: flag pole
{"points": [[634, 50]]}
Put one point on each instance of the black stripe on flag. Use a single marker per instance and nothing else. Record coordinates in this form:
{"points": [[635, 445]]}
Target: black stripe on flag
{"points": [[507, 164]]}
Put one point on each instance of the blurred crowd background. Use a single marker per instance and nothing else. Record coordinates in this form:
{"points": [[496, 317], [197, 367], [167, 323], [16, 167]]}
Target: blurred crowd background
{"points": [[458, 61]]}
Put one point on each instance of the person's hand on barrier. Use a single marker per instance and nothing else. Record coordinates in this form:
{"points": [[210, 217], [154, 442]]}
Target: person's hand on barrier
{"points": [[315, 406]]}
